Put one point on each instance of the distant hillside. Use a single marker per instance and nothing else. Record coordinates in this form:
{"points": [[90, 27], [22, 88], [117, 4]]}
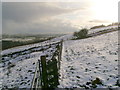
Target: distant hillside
{"points": [[94, 27]]}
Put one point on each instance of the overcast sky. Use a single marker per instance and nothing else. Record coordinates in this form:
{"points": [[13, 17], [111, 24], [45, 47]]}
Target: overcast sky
{"points": [[56, 17]]}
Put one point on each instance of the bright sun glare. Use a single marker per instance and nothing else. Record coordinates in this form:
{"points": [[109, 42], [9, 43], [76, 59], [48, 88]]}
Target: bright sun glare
{"points": [[105, 10]]}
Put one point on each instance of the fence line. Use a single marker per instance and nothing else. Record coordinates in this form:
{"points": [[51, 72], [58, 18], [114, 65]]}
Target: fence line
{"points": [[47, 71], [35, 79]]}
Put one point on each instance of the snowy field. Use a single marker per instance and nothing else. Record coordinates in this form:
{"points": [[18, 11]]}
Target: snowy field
{"points": [[82, 61], [90, 63], [19, 71], [19, 63], [103, 28]]}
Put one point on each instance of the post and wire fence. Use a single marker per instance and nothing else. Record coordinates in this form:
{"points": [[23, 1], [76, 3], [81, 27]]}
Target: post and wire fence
{"points": [[47, 71]]}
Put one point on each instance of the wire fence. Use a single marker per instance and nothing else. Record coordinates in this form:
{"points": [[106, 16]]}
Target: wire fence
{"points": [[47, 71]]}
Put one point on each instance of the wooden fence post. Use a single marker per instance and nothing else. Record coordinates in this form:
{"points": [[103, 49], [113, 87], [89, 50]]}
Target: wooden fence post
{"points": [[44, 72], [56, 81], [47, 73], [60, 53], [61, 48], [40, 72]]}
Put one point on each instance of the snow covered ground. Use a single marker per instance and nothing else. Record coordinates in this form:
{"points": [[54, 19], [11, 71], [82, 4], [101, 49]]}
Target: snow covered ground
{"points": [[82, 61], [85, 60], [18, 64], [19, 71], [25, 47], [103, 28]]}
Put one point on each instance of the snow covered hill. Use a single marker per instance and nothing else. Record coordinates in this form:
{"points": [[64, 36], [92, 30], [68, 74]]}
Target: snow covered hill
{"points": [[18, 72], [82, 61], [90, 60], [103, 28], [18, 64]]}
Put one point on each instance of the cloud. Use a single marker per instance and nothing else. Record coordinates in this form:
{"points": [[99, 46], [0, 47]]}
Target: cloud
{"points": [[23, 11], [34, 18], [42, 17], [99, 21], [50, 26]]}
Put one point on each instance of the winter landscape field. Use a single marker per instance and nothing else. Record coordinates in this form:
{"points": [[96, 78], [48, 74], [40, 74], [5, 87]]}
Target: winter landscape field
{"points": [[57, 44], [85, 60], [85, 63]]}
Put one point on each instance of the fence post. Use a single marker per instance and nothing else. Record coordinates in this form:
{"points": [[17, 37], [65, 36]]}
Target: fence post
{"points": [[60, 53], [44, 72], [61, 48], [40, 73], [56, 75]]}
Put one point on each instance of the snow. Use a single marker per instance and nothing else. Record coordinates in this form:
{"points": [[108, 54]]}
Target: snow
{"points": [[18, 39], [21, 48], [18, 69], [22, 73], [103, 28], [87, 59], [82, 61]]}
